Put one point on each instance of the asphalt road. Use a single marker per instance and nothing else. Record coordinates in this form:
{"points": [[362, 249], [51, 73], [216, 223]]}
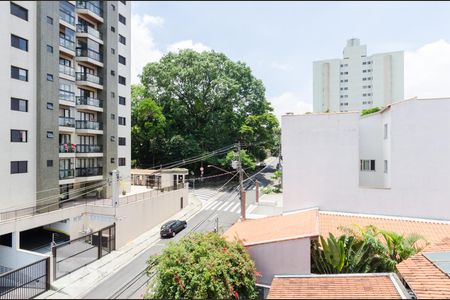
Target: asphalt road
{"points": [[131, 281]]}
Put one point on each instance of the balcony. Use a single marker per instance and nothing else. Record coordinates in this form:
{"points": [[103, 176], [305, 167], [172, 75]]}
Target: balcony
{"points": [[67, 148], [67, 97], [66, 70], [66, 174], [67, 45], [87, 172], [89, 80], [89, 56], [89, 125], [90, 9], [83, 28], [89, 149], [66, 122], [67, 17], [88, 101]]}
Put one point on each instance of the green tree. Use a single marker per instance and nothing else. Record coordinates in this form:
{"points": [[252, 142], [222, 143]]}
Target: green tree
{"points": [[369, 111], [208, 102], [203, 266]]}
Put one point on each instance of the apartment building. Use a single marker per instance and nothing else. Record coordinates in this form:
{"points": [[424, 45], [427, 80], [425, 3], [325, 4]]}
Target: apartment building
{"points": [[65, 77], [357, 81], [392, 162]]}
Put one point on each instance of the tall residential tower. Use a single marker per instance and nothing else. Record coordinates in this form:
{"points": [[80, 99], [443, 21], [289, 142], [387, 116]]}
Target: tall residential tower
{"points": [[65, 77], [357, 81]]}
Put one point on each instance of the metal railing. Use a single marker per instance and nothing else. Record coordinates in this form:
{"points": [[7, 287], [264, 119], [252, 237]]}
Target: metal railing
{"points": [[67, 70], [91, 7], [66, 43], [82, 76], [83, 28], [89, 149], [89, 101], [66, 148], [66, 121], [66, 16], [66, 95], [26, 282], [65, 174], [89, 125], [87, 52], [86, 172]]}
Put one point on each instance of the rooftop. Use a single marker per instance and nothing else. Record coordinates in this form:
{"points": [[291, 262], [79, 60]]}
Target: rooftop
{"points": [[424, 278], [337, 286]]}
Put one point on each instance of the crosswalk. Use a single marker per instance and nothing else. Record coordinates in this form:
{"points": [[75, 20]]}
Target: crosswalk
{"points": [[231, 205], [204, 194]]}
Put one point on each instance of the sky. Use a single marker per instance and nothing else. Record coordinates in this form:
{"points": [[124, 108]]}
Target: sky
{"points": [[280, 40]]}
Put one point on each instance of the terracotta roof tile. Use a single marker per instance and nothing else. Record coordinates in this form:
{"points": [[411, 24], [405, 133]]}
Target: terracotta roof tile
{"points": [[423, 277], [355, 286]]}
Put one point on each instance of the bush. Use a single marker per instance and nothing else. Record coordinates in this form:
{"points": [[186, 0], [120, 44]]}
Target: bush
{"points": [[203, 266], [369, 111]]}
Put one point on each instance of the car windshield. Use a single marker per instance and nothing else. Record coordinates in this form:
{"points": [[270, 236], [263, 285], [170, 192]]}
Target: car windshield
{"points": [[168, 224]]}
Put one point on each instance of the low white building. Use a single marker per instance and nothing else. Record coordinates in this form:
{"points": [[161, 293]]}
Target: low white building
{"points": [[394, 162]]}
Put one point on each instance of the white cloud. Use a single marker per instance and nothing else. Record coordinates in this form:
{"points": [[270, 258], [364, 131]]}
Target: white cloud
{"points": [[289, 102], [187, 44], [427, 71], [143, 47]]}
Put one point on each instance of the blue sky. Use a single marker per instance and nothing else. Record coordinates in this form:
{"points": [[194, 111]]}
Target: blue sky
{"points": [[280, 40]]}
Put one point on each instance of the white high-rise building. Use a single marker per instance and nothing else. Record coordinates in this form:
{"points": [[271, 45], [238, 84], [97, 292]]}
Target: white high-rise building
{"points": [[357, 81]]}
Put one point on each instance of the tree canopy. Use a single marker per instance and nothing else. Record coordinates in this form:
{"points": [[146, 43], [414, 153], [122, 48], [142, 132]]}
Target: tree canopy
{"points": [[191, 103], [203, 266]]}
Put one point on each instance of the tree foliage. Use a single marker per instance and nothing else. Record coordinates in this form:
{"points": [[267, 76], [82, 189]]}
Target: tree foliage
{"points": [[369, 111], [201, 102], [364, 250], [203, 266]]}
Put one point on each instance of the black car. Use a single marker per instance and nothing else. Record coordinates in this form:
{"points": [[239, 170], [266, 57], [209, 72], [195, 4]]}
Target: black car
{"points": [[171, 228]]}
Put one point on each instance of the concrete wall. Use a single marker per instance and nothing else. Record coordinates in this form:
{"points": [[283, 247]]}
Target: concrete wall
{"points": [[321, 162], [16, 258], [285, 257]]}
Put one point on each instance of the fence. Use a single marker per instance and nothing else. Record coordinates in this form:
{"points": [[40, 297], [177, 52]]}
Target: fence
{"points": [[26, 282], [75, 254]]}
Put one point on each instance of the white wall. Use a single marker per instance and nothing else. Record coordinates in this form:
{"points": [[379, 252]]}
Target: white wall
{"points": [[18, 190], [321, 162], [285, 257]]}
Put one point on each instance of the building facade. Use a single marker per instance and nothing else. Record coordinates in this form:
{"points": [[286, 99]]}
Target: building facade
{"points": [[387, 163], [67, 109], [357, 81]]}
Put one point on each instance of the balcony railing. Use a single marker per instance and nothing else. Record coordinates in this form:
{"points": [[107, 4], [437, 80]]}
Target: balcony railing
{"points": [[92, 171], [67, 148], [67, 16], [67, 70], [89, 149], [66, 95], [86, 52], [89, 101], [91, 7], [81, 76], [89, 125], [66, 174], [66, 43], [67, 122], [83, 28]]}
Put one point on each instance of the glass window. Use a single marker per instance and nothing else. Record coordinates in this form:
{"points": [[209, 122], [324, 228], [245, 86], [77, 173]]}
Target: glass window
{"points": [[19, 167], [122, 161], [122, 39], [49, 77], [122, 141], [49, 163], [122, 19], [122, 80], [49, 49], [19, 136], [19, 104], [19, 43], [49, 106], [122, 60], [49, 20], [122, 121], [18, 73], [122, 100], [19, 11]]}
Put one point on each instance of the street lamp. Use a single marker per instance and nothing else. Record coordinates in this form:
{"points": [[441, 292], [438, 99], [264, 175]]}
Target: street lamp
{"points": [[219, 169]]}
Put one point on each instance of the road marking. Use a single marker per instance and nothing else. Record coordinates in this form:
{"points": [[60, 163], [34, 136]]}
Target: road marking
{"points": [[209, 204], [234, 207], [215, 205], [228, 207], [222, 206]]}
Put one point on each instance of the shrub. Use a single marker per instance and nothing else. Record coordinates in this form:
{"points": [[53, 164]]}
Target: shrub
{"points": [[369, 111]]}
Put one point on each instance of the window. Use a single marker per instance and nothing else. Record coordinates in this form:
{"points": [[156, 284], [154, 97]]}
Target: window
{"points": [[113, 29], [122, 19], [113, 51], [385, 131], [113, 116], [112, 160], [122, 141], [49, 163], [122, 39], [49, 77], [50, 134], [113, 138], [122, 100], [19, 11], [49, 49], [122, 60], [364, 95], [113, 73], [19, 104], [122, 80], [113, 95], [113, 7], [367, 165], [385, 166], [19, 167], [122, 161], [122, 121], [19, 43], [49, 20], [19, 136], [18, 73], [364, 71], [49, 106], [364, 63], [345, 73]]}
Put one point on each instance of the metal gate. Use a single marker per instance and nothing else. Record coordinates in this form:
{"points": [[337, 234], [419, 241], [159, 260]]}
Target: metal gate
{"points": [[77, 253]]}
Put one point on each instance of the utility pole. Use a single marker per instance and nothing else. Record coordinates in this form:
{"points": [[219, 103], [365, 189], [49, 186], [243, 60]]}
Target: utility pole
{"points": [[115, 188], [241, 183]]}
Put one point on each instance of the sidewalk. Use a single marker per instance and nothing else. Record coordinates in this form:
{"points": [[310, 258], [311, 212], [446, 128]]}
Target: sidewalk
{"points": [[80, 282], [269, 205]]}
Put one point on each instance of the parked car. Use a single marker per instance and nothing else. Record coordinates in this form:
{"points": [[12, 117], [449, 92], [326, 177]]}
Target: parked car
{"points": [[171, 228]]}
